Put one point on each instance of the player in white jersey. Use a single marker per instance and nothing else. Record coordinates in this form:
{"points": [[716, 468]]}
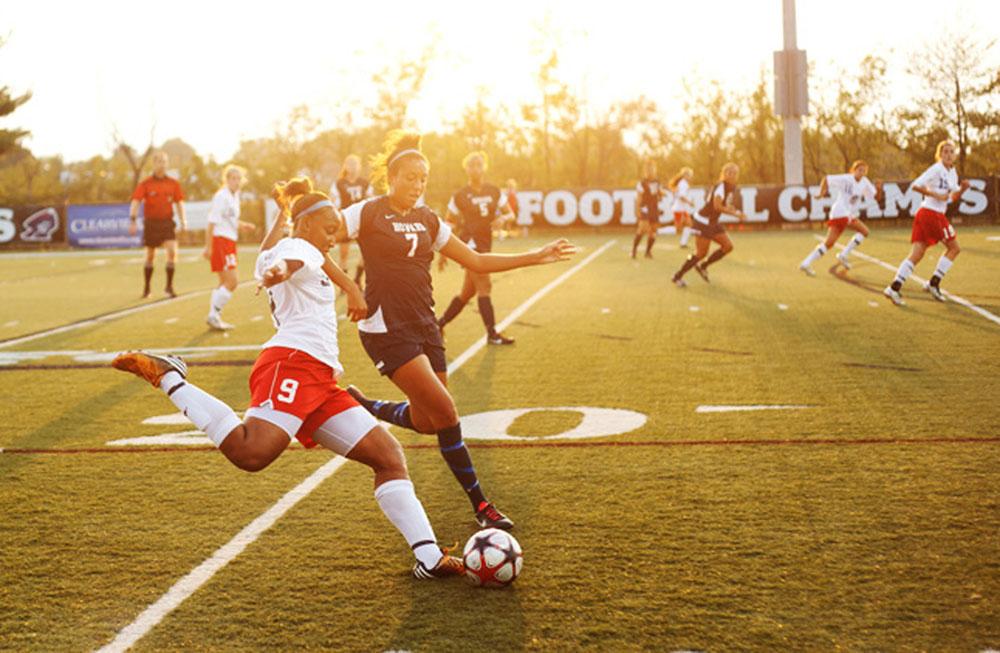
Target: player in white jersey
{"points": [[851, 189], [680, 186], [940, 186], [221, 236], [293, 384]]}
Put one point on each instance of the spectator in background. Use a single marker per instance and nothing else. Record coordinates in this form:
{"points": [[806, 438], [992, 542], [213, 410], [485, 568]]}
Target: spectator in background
{"points": [[158, 194], [350, 188]]}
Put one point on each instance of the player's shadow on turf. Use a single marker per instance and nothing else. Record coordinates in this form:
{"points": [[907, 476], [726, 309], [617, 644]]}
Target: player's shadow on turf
{"points": [[472, 619], [478, 374]]}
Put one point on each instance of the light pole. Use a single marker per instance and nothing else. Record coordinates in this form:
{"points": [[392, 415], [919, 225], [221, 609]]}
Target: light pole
{"points": [[791, 98]]}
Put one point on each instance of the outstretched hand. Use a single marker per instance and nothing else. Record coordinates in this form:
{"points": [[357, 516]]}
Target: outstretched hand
{"points": [[357, 308], [557, 250], [274, 275]]}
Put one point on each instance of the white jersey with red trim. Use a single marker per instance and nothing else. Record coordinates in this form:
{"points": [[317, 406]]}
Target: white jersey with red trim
{"points": [[682, 197], [940, 179], [224, 214], [303, 306], [849, 194]]}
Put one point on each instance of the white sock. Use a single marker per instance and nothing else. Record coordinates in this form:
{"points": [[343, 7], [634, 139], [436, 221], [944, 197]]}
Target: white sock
{"points": [[904, 271], [814, 255], [400, 504], [857, 240], [206, 412], [685, 236], [220, 297], [944, 264]]}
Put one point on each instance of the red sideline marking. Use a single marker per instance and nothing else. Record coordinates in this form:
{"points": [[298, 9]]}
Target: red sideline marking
{"points": [[564, 445]]}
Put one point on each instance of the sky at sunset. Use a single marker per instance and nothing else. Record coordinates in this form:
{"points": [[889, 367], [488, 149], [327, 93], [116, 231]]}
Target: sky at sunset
{"points": [[214, 73]]}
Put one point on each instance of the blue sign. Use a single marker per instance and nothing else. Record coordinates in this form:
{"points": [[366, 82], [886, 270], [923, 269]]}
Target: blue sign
{"points": [[100, 225]]}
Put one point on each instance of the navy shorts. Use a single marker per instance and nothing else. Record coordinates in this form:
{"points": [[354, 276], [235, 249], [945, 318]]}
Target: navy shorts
{"points": [[481, 241], [390, 351], [707, 230]]}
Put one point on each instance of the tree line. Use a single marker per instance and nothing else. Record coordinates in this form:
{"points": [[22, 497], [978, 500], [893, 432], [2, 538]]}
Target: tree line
{"points": [[563, 139]]}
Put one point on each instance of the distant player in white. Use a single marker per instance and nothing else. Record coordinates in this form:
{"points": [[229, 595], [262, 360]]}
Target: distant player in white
{"points": [[680, 186], [221, 236], [293, 384], [851, 188], [939, 185]]}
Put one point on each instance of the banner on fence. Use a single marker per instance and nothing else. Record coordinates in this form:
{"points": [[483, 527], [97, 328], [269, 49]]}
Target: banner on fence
{"points": [[25, 226], [774, 205]]}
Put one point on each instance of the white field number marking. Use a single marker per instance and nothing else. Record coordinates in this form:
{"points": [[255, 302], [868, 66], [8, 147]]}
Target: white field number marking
{"points": [[201, 574]]}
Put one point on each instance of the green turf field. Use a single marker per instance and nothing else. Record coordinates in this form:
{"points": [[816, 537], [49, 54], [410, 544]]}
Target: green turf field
{"points": [[867, 518]]}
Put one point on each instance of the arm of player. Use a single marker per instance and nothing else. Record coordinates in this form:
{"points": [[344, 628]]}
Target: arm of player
{"points": [[727, 208], [133, 215], [278, 273], [924, 190], [357, 308], [824, 188], [182, 214], [455, 249], [209, 231], [962, 187]]}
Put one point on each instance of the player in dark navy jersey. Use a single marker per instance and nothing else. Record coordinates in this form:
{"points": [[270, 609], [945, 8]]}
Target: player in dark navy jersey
{"points": [[349, 189], [649, 191], [398, 240], [707, 228], [475, 208]]}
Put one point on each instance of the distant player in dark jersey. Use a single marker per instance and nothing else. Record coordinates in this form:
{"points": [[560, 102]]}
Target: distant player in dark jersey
{"points": [[398, 239], [707, 227], [649, 191], [350, 188], [158, 194], [474, 208]]}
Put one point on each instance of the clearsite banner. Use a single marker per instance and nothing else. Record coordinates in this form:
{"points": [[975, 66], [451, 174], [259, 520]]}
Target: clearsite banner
{"points": [[763, 205], [27, 226]]}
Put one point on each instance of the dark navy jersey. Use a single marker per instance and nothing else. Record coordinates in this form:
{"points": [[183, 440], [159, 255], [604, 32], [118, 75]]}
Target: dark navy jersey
{"points": [[648, 198], [350, 192], [477, 209], [708, 213], [398, 251]]}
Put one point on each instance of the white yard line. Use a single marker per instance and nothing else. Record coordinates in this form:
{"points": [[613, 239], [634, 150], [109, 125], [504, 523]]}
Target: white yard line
{"points": [[107, 318], [746, 407], [201, 574], [955, 298]]}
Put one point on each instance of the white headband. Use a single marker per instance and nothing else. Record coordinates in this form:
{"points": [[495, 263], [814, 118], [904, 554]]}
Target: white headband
{"points": [[402, 154]]}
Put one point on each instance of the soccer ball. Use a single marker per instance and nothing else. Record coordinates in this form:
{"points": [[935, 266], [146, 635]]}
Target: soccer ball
{"points": [[492, 558]]}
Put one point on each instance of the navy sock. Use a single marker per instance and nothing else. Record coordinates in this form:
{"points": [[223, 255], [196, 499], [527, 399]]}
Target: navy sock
{"points": [[170, 275], [455, 453], [454, 308], [691, 261], [635, 243], [649, 244], [392, 412], [716, 255], [486, 312], [147, 275]]}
